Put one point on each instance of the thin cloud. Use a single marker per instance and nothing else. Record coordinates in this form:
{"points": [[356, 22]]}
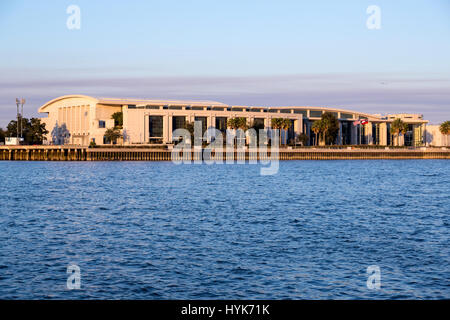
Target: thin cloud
{"points": [[372, 93]]}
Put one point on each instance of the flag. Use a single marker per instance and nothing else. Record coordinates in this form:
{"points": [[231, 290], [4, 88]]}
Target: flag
{"points": [[364, 121], [355, 123]]}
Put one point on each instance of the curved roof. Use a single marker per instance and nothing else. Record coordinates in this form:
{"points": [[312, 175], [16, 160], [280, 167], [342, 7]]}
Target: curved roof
{"points": [[41, 109], [125, 101]]}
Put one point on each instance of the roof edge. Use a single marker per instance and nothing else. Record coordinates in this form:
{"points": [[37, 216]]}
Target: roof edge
{"points": [[42, 108]]}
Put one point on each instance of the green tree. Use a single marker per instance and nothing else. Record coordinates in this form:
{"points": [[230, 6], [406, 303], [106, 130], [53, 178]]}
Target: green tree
{"points": [[317, 128], [277, 124], [33, 130], [303, 139], [2, 135], [237, 123], [118, 119], [232, 123], [112, 134], [189, 126], [330, 125], [285, 126], [397, 127], [444, 128], [38, 131]]}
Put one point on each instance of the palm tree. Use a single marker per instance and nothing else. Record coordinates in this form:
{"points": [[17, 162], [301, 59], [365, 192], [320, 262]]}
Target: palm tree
{"points": [[237, 123], [232, 123], [444, 128], [276, 124], [397, 127], [285, 125], [330, 127], [317, 129], [112, 134], [242, 123], [118, 119]]}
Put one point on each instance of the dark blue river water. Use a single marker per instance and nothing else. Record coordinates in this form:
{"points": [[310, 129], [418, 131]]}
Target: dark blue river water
{"points": [[146, 230]]}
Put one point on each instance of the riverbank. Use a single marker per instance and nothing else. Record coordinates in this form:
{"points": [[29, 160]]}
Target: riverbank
{"points": [[74, 153]]}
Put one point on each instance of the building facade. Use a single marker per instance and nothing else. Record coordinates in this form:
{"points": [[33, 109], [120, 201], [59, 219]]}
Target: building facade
{"points": [[80, 120]]}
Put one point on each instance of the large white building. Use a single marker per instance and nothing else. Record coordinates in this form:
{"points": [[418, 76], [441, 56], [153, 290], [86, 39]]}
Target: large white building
{"points": [[81, 120]]}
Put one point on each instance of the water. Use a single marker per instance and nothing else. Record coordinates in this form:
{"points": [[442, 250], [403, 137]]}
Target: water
{"points": [[146, 230]]}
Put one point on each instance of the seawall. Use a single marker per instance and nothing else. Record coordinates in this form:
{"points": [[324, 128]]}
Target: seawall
{"points": [[73, 153]]}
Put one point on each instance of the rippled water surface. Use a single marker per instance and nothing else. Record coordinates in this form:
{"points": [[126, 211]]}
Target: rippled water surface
{"points": [[146, 230]]}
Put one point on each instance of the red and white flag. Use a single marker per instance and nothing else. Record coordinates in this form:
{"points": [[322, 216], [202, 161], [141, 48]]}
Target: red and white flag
{"points": [[355, 123], [364, 121]]}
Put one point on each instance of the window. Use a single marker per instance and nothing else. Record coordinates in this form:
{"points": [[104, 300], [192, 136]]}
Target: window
{"points": [[221, 124], [273, 110], [303, 112], [315, 114], [101, 124], [156, 126], [258, 123], [152, 107], [131, 106], [389, 134], [175, 108], [346, 116], [285, 110], [197, 108], [375, 133], [346, 132], [178, 122], [203, 120], [218, 109]]}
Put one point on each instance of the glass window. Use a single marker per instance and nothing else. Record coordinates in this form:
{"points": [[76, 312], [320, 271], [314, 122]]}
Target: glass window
{"points": [[204, 122], [152, 107], [197, 108], [178, 122], [346, 116], [273, 110], [315, 114], [303, 112], [101, 124], [285, 110], [258, 123], [175, 108], [156, 126], [221, 123]]}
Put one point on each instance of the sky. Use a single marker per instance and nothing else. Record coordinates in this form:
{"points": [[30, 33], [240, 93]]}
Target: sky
{"points": [[259, 53]]}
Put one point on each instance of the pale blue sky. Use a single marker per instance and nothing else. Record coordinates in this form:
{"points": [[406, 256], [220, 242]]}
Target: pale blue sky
{"points": [[237, 52]]}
